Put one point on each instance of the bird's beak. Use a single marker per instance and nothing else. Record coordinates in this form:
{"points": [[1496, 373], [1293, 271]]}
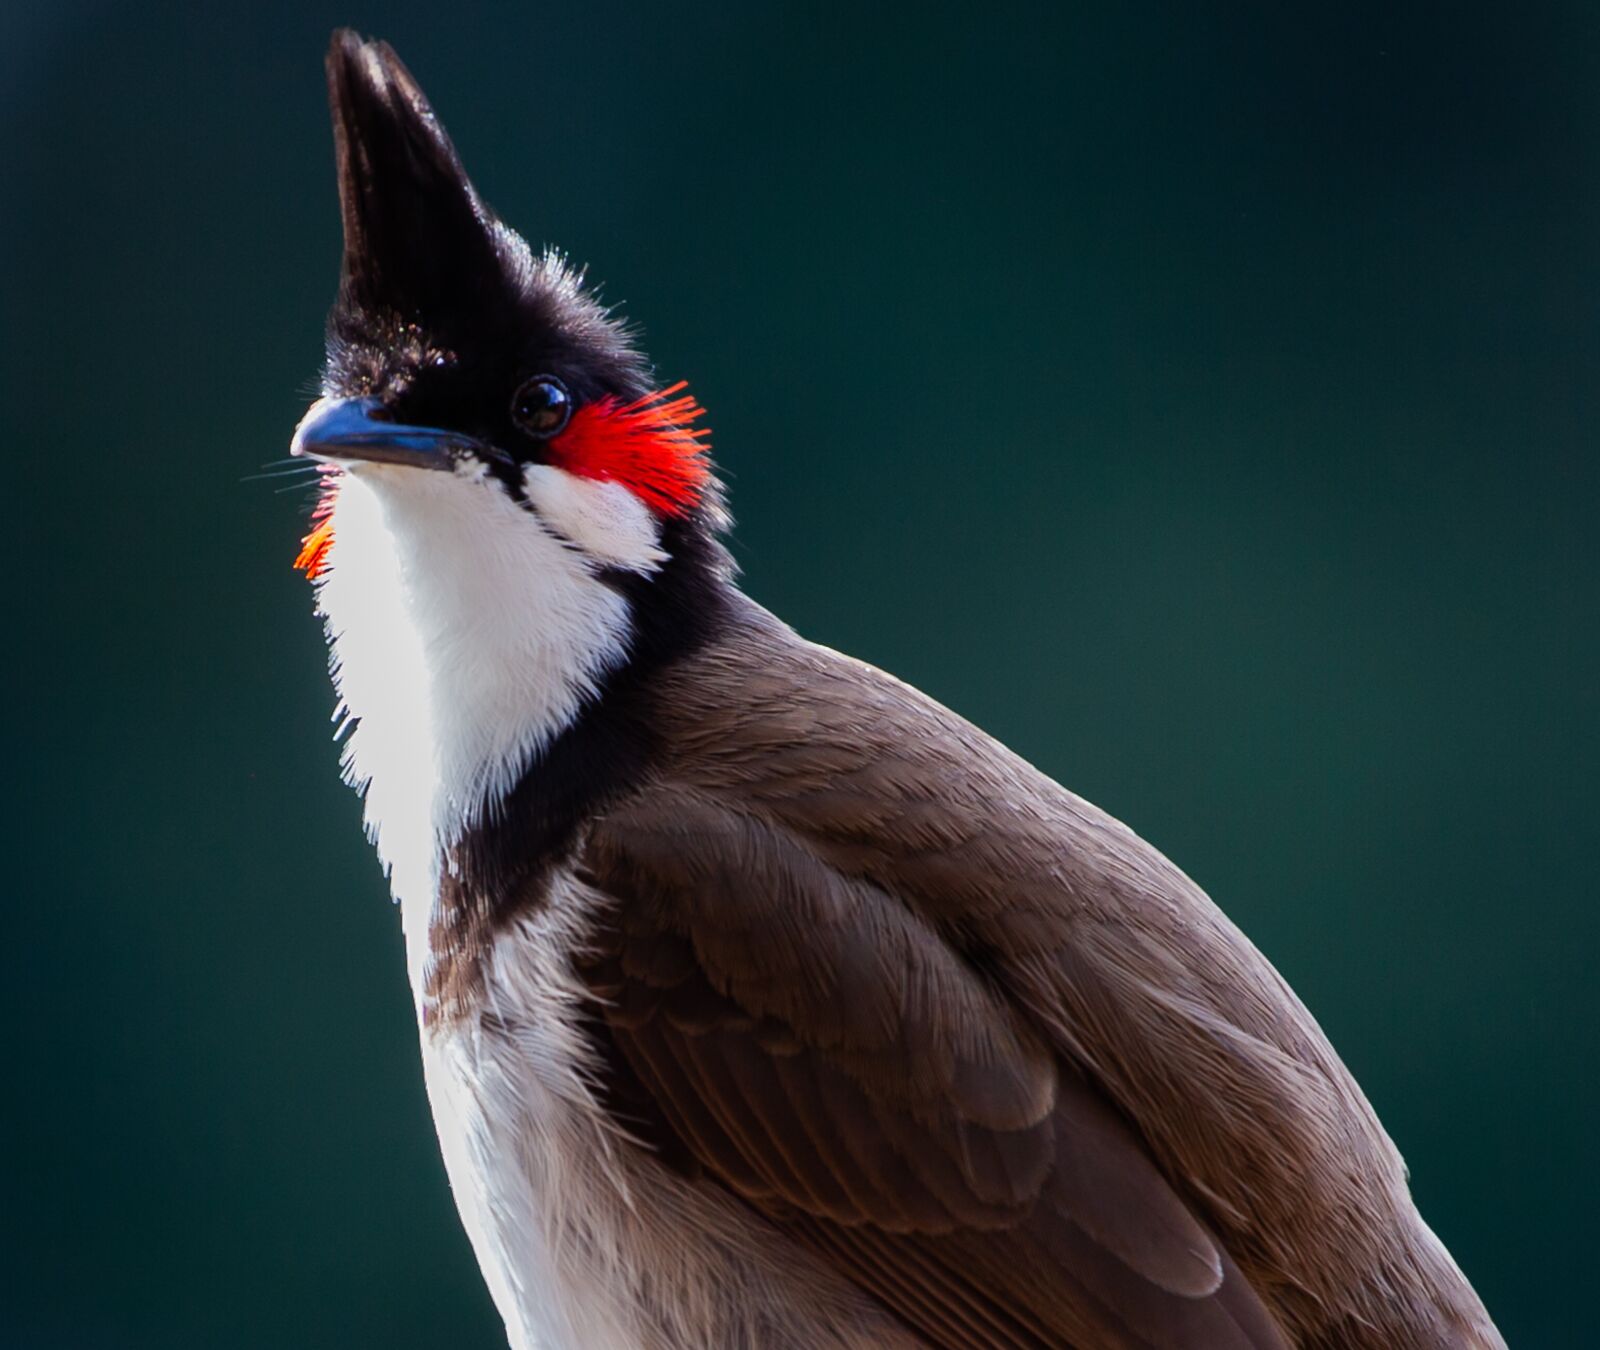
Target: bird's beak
{"points": [[358, 430]]}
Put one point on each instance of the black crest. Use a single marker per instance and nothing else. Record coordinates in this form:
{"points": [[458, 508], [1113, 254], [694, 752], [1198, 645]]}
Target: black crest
{"points": [[415, 232], [428, 266]]}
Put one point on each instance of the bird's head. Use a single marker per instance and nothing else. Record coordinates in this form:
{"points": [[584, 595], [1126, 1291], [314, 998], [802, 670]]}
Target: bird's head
{"points": [[474, 389], [519, 522]]}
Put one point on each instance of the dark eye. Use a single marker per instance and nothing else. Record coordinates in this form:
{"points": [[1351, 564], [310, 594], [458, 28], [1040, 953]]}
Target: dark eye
{"points": [[541, 406]]}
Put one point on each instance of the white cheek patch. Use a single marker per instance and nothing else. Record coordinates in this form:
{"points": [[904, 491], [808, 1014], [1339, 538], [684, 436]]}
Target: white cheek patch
{"points": [[604, 519]]}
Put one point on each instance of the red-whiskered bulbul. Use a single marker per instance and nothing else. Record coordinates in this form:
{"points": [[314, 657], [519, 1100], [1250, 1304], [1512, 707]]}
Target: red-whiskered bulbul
{"points": [[763, 1001]]}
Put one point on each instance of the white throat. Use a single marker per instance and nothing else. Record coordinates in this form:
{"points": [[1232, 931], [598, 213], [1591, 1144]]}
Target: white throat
{"points": [[464, 636]]}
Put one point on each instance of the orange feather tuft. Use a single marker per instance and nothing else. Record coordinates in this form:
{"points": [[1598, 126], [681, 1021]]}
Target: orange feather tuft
{"points": [[315, 547]]}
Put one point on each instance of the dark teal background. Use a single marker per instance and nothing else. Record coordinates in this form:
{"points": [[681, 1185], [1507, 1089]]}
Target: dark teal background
{"points": [[1201, 397]]}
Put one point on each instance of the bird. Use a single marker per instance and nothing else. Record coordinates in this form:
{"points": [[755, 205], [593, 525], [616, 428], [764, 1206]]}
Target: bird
{"points": [[762, 1000]]}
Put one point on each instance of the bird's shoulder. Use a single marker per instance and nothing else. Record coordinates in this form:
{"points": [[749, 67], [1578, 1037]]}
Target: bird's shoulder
{"points": [[877, 779]]}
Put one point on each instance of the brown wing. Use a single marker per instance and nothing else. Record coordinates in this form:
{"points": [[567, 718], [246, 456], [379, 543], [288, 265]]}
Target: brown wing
{"points": [[891, 982], [834, 1061]]}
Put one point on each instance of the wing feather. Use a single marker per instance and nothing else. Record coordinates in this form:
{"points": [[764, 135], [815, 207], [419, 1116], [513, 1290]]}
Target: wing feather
{"points": [[831, 1058]]}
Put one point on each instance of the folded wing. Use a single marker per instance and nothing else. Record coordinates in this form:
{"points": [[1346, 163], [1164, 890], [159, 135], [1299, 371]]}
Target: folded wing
{"points": [[818, 1049]]}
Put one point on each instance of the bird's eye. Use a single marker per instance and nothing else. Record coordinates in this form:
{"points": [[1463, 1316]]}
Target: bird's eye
{"points": [[541, 407]]}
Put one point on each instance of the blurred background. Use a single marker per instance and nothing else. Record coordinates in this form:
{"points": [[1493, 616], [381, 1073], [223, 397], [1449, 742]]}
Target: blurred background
{"points": [[1201, 397]]}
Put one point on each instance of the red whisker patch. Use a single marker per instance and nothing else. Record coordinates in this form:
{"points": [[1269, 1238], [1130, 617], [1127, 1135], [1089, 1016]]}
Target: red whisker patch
{"points": [[315, 547], [646, 445]]}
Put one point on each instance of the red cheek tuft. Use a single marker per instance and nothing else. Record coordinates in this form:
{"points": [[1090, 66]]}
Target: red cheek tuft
{"points": [[315, 547], [645, 445]]}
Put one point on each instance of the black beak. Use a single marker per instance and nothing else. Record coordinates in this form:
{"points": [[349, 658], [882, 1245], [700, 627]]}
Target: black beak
{"points": [[358, 430]]}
